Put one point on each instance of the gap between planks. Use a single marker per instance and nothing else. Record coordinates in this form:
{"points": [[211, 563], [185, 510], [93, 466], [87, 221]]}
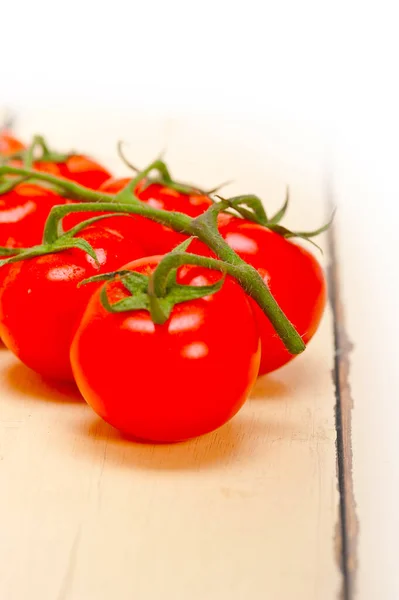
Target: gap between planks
{"points": [[348, 526]]}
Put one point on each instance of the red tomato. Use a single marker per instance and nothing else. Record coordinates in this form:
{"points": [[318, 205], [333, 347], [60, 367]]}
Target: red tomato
{"points": [[84, 171], [23, 213], [294, 277], [77, 168], [153, 237], [40, 303], [129, 226], [160, 196], [9, 144], [170, 382]]}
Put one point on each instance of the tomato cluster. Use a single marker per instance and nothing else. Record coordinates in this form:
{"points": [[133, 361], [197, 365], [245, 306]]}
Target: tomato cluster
{"points": [[159, 379]]}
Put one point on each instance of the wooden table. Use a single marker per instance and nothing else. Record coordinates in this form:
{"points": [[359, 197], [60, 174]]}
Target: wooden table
{"points": [[262, 508]]}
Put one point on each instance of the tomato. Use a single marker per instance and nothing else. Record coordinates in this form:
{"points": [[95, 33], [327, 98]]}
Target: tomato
{"points": [[9, 144], [84, 171], [153, 237], [78, 168], [294, 277], [170, 382], [23, 213], [40, 303]]}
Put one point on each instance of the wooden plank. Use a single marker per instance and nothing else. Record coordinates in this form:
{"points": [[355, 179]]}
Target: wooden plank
{"points": [[349, 527], [364, 186], [249, 511]]}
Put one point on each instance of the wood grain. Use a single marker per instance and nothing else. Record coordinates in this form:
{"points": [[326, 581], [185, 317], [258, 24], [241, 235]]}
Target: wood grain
{"points": [[249, 511]]}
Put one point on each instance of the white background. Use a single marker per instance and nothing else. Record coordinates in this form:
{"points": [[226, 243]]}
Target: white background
{"points": [[327, 67]]}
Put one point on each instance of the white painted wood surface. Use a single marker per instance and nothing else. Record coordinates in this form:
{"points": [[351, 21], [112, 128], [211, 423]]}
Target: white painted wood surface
{"points": [[250, 511], [365, 175]]}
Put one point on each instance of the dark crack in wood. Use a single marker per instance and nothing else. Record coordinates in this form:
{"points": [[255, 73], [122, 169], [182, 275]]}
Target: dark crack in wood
{"points": [[347, 528]]}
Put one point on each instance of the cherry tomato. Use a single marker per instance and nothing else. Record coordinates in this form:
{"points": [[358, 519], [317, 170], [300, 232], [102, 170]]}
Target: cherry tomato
{"points": [[78, 168], [170, 382], [294, 277], [40, 303], [84, 171], [153, 237], [23, 213], [9, 144], [159, 238]]}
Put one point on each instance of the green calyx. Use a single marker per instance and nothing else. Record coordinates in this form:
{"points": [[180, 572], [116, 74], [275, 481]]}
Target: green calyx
{"points": [[158, 293], [142, 295], [53, 244], [274, 225], [258, 215], [64, 243], [164, 177]]}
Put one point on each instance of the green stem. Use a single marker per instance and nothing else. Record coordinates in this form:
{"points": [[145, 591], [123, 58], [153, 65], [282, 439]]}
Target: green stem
{"points": [[178, 221], [249, 279], [29, 154], [40, 141], [158, 165], [158, 315], [11, 251], [204, 227], [127, 194], [10, 184], [72, 189], [55, 234], [174, 260], [254, 202]]}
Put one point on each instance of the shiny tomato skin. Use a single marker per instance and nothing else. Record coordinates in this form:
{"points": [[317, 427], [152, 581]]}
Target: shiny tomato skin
{"points": [[113, 185], [84, 170], [130, 226], [294, 277], [40, 304], [77, 168], [9, 144], [23, 213], [153, 237], [161, 196], [159, 238], [170, 382]]}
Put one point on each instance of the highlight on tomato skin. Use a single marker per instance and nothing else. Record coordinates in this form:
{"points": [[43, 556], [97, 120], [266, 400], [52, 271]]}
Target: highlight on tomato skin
{"points": [[40, 303], [170, 382], [23, 214]]}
